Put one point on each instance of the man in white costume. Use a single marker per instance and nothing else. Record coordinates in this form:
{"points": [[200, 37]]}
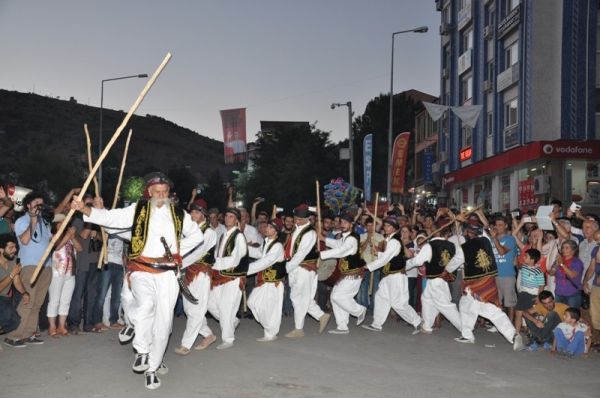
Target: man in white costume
{"points": [[153, 277]]}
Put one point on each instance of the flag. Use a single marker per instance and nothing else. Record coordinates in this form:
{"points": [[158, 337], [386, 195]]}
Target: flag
{"points": [[368, 164], [399, 156], [468, 114], [435, 110], [234, 134]]}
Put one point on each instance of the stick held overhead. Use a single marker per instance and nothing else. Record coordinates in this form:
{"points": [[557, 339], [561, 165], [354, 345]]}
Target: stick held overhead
{"points": [[101, 158]]}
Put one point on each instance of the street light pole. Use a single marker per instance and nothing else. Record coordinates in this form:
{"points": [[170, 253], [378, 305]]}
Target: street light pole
{"points": [[421, 29], [101, 118], [350, 136]]}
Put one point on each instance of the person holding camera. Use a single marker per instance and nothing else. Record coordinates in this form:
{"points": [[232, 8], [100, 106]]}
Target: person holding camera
{"points": [[33, 233]]}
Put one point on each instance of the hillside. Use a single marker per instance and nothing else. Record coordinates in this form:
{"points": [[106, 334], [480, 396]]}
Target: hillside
{"points": [[37, 129]]}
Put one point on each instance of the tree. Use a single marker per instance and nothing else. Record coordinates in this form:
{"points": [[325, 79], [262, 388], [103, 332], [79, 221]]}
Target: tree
{"points": [[288, 161], [215, 193]]}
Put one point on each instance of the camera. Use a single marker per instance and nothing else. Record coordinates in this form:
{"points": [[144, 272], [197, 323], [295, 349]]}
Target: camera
{"points": [[46, 212]]}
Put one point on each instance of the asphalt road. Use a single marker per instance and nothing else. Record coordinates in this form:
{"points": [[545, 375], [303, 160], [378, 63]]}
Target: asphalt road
{"points": [[392, 363]]}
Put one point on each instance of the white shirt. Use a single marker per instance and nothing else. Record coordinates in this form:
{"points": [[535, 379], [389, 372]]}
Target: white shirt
{"points": [[219, 229], [210, 240], [392, 249], [425, 255], [304, 247], [340, 248], [252, 235], [239, 250], [265, 259], [160, 225]]}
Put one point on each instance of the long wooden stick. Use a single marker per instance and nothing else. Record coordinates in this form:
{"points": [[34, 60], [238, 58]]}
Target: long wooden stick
{"points": [[123, 162], [102, 255], [101, 158], [319, 224], [372, 276]]}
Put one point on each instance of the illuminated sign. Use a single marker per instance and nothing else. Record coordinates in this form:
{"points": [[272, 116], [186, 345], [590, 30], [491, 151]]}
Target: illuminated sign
{"points": [[466, 153]]}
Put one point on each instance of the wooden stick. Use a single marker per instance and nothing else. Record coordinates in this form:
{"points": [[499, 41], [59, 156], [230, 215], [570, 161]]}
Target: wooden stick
{"points": [[101, 158], [372, 276], [123, 162], [319, 225], [102, 255]]}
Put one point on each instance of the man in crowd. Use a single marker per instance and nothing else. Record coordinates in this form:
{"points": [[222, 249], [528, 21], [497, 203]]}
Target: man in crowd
{"points": [[198, 280], [33, 234], [542, 319], [110, 276], [161, 236], [229, 277], [301, 256], [10, 276]]}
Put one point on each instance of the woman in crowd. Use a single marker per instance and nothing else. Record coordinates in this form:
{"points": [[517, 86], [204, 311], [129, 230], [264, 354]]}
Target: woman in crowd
{"points": [[568, 273]]}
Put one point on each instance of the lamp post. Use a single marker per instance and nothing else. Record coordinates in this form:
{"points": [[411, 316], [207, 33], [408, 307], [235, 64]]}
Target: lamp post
{"points": [[350, 134], [101, 114], [420, 29]]}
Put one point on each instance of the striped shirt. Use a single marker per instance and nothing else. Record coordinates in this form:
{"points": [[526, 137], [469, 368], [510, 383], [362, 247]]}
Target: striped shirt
{"points": [[531, 279]]}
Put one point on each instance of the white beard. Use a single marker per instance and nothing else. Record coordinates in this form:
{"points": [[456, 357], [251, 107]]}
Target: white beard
{"points": [[156, 203]]}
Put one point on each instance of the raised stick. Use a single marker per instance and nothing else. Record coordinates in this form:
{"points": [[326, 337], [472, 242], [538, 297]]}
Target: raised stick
{"points": [[102, 255], [123, 162], [371, 275], [319, 225], [101, 158]]}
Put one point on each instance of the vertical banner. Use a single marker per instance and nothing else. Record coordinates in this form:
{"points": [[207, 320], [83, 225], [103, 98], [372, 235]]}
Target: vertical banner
{"points": [[428, 166], [400, 153], [527, 198], [368, 164], [234, 134]]}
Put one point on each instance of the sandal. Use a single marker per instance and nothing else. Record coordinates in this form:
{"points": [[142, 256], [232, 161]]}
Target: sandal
{"points": [[52, 332], [62, 331]]}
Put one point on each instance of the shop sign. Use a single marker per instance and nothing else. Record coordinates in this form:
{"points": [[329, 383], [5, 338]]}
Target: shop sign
{"points": [[466, 154], [567, 149], [508, 23], [527, 196]]}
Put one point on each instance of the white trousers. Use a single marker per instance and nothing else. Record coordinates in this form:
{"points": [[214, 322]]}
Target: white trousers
{"points": [[151, 312], [303, 287], [223, 304], [343, 303], [127, 301], [266, 303], [470, 309], [196, 313], [60, 293], [436, 299], [393, 293]]}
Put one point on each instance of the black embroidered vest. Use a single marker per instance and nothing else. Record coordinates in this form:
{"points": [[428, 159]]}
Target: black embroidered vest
{"points": [[242, 268], [479, 258], [276, 272], [442, 252], [209, 257], [397, 263], [141, 219], [352, 262], [312, 255]]}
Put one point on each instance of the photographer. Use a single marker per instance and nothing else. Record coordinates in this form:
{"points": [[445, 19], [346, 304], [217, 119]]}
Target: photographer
{"points": [[6, 205], [33, 233]]}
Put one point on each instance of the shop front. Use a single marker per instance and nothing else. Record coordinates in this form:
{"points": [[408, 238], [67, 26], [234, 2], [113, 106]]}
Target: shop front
{"points": [[528, 176]]}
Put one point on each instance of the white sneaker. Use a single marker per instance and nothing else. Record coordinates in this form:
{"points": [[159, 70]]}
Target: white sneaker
{"points": [[162, 369], [224, 346], [152, 380], [464, 340], [338, 331], [140, 364], [126, 334], [265, 339], [371, 328], [518, 343]]}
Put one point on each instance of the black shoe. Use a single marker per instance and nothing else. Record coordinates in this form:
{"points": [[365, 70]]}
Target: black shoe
{"points": [[33, 340], [14, 343]]}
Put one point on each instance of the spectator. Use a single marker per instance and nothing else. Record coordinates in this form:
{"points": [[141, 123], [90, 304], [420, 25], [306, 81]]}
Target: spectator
{"points": [[63, 278], [568, 271], [9, 276], [110, 276], [541, 320], [588, 243], [86, 274], [215, 225], [571, 335], [6, 208], [33, 234], [531, 283], [593, 275], [371, 242]]}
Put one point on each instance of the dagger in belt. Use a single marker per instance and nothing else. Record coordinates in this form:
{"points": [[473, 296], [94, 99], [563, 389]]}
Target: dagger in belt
{"points": [[185, 291]]}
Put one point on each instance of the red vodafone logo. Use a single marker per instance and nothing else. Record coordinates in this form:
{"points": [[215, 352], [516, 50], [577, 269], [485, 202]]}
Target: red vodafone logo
{"points": [[548, 149]]}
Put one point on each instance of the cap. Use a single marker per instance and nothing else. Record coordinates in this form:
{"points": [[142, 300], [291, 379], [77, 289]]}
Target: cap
{"points": [[391, 221], [199, 205], [348, 217], [235, 212], [302, 211]]}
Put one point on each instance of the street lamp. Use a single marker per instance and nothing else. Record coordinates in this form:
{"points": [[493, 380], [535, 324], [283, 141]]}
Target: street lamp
{"points": [[101, 109], [420, 29], [351, 149]]}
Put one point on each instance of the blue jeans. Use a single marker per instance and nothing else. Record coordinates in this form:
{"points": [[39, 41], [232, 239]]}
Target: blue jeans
{"points": [[572, 301], [9, 318], [112, 274], [575, 346], [84, 297], [362, 297]]}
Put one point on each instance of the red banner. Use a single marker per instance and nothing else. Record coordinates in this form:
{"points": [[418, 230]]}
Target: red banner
{"points": [[400, 153], [527, 198], [234, 134]]}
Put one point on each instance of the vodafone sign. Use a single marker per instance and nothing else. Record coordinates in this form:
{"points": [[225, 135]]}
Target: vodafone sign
{"points": [[567, 149]]}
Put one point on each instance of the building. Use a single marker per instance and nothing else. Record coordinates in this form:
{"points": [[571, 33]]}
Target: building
{"points": [[426, 169], [532, 66]]}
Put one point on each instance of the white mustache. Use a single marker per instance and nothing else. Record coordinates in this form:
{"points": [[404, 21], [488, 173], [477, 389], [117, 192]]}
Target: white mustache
{"points": [[155, 202]]}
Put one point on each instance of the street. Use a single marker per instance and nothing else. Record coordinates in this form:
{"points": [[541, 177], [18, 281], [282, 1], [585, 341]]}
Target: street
{"points": [[392, 363]]}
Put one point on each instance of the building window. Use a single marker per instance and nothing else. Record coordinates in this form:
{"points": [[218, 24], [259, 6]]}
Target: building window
{"points": [[446, 15], [466, 88], [511, 113], [511, 55], [466, 40], [490, 71], [490, 124], [467, 133], [511, 5]]}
